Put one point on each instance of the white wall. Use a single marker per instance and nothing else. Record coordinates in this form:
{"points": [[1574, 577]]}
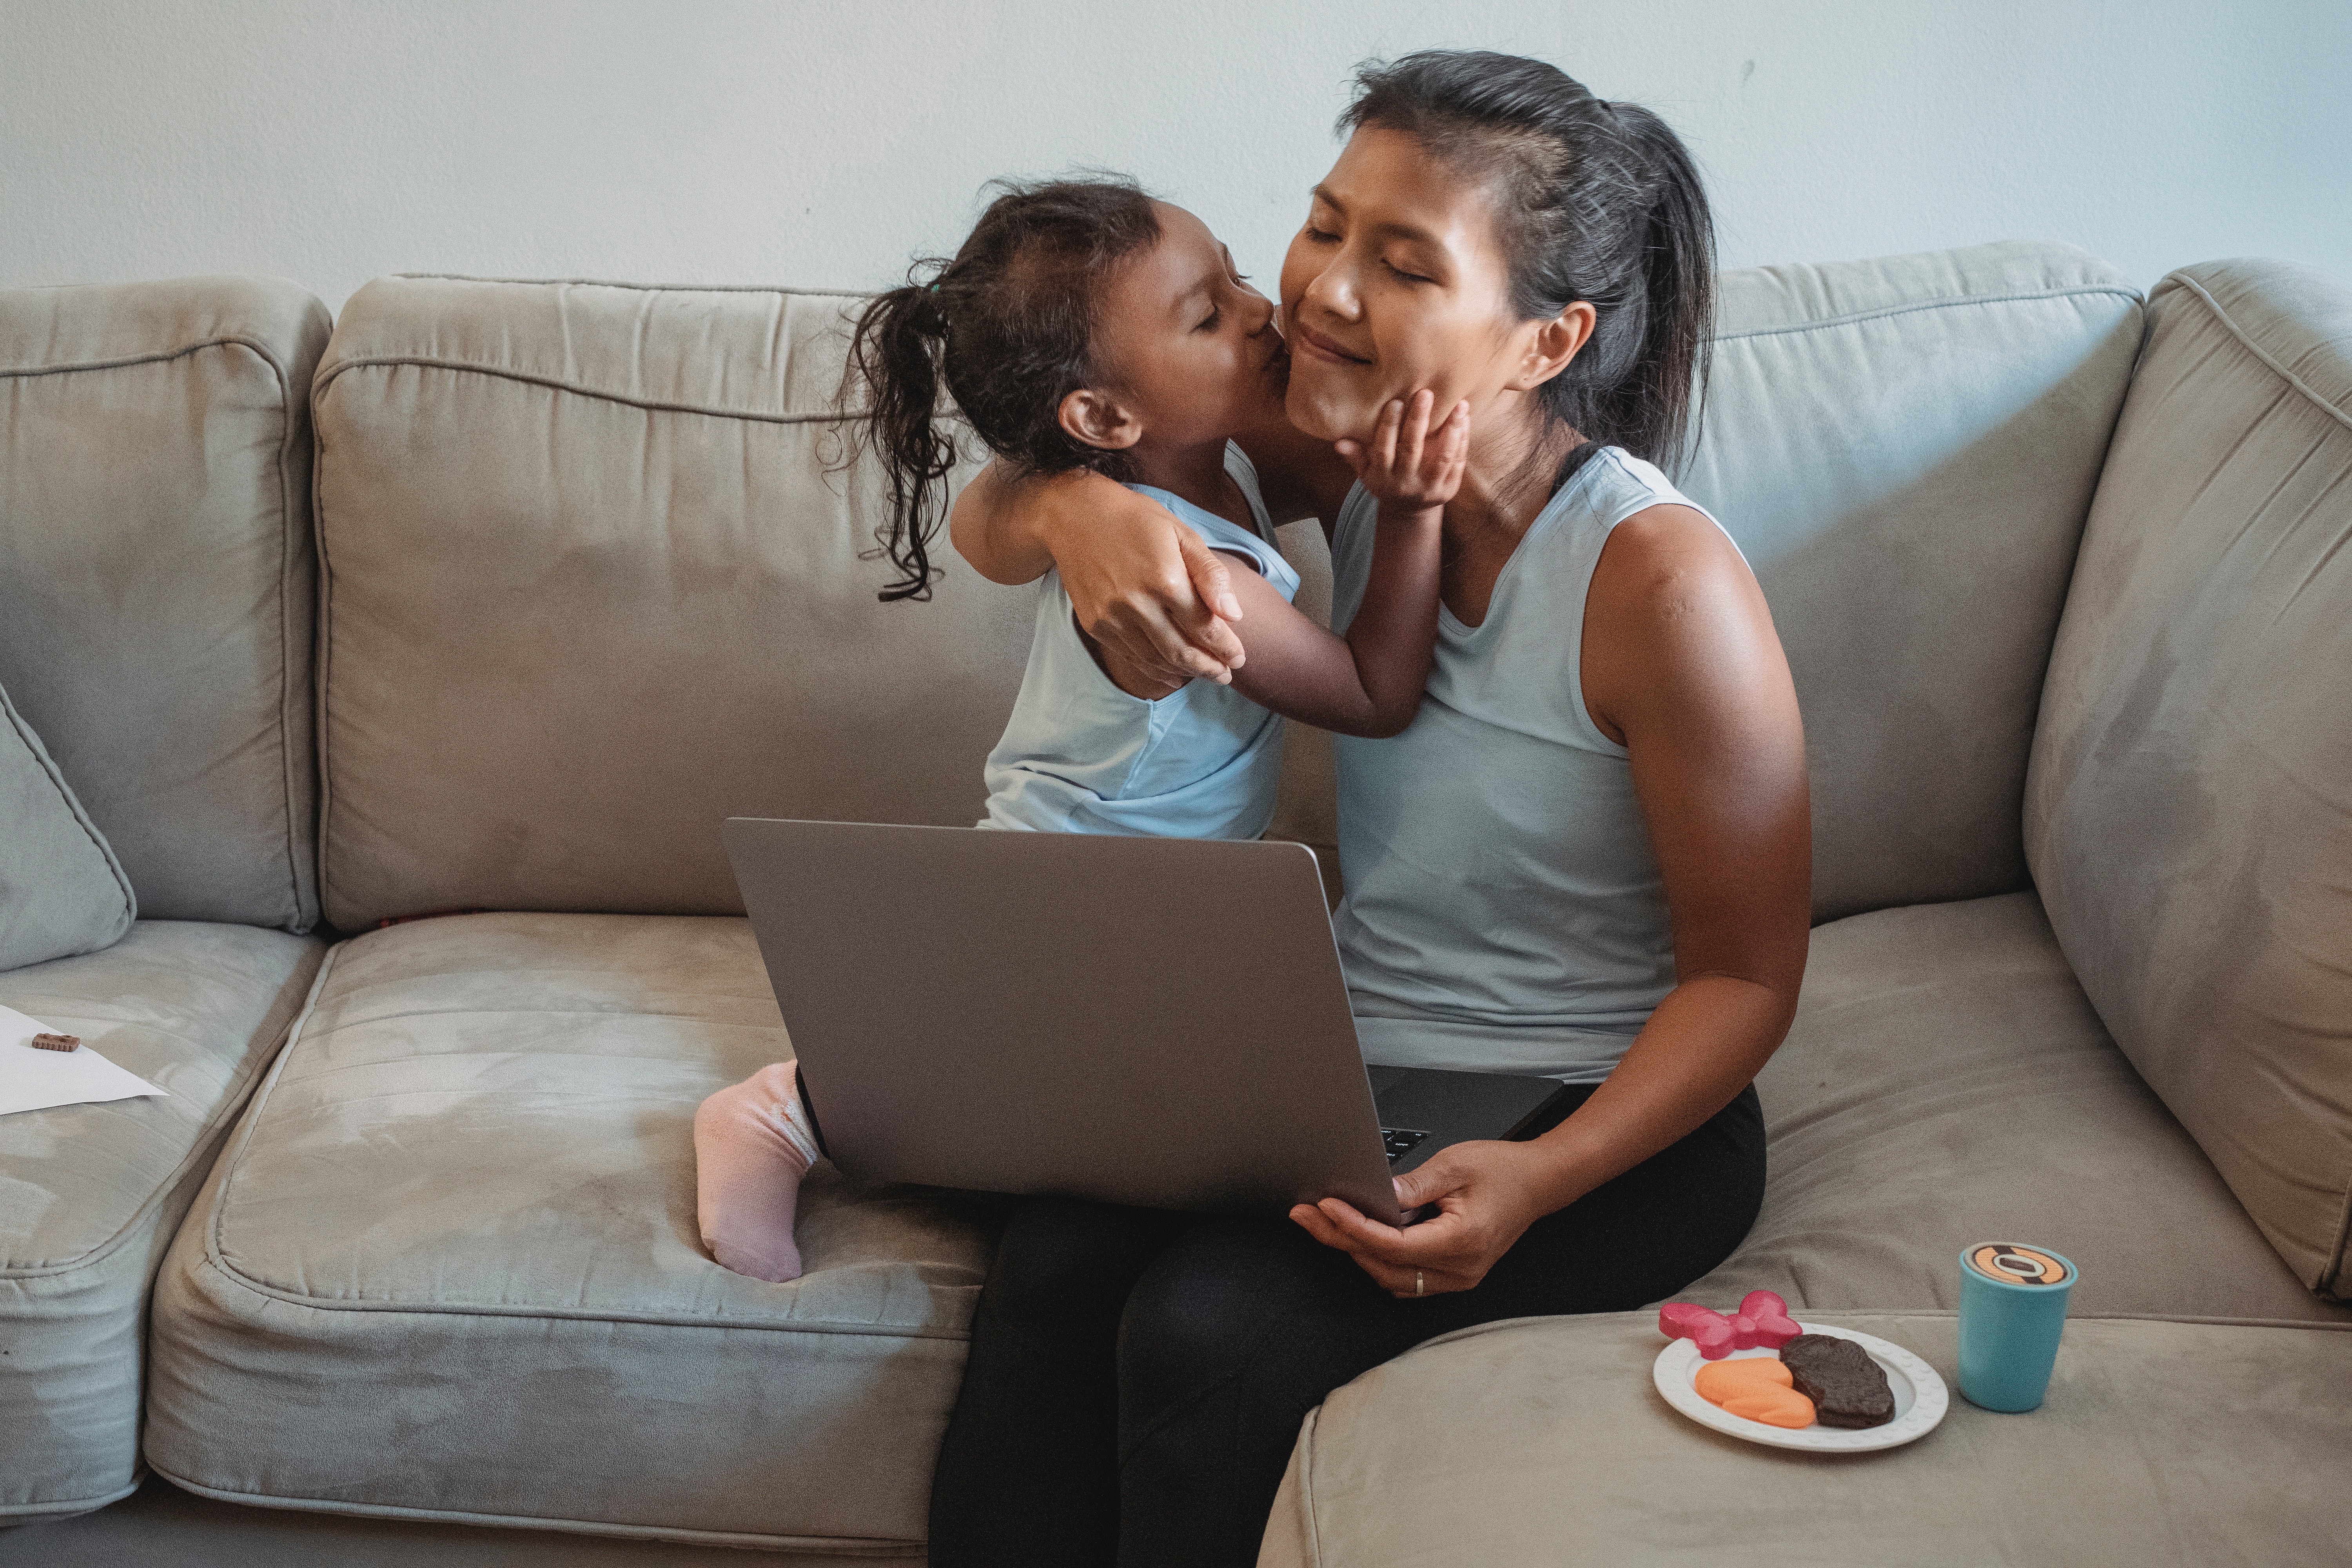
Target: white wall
{"points": [[759, 141]]}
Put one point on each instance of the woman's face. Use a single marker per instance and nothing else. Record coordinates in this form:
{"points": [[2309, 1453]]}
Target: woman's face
{"points": [[1397, 282]]}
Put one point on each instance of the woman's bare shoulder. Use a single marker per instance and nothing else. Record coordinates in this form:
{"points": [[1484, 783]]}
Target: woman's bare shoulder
{"points": [[1673, 619]]}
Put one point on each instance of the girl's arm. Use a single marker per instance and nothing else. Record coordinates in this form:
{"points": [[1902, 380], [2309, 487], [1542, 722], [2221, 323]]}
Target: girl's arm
{"points": [[1154, 598], [1371, 683]]}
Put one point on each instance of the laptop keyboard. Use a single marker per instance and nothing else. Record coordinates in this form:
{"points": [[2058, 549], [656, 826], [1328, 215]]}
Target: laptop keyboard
{"points": [[1401, 1142]]}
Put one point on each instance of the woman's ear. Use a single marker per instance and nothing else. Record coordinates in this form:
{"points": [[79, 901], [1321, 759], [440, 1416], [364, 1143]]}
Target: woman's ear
{"points": [[1098, 419], [1552, 344]]}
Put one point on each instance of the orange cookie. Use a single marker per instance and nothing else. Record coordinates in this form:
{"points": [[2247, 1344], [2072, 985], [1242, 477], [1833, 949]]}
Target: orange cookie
{"points": [[1757, 1387]]}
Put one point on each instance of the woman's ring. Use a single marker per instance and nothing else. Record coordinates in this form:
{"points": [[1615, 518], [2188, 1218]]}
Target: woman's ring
{"points": [[1416, 1281]]}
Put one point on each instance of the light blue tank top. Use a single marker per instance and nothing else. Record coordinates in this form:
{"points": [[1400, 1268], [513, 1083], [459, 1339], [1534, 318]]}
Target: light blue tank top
{"points": [[1079, 755], [1505, 913]]}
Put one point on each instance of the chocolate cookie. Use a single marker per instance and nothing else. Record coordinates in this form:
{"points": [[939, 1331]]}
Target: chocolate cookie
{"points": [[1847, 1388]]}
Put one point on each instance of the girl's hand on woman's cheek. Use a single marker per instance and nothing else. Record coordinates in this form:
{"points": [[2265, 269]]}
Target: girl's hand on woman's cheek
{"points": [[1486, 1194], [1406, 465], [1140, 583]]}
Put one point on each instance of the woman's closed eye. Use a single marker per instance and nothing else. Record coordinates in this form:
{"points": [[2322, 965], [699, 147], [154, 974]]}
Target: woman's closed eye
{"points": [[1209, 323], [1406, 277]]}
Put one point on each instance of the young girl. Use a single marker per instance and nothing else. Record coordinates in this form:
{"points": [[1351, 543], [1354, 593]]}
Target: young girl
{"points": [[1084, 326]]}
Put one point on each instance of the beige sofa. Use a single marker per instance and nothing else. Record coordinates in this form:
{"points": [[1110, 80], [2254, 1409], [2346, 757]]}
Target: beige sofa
{"points": [[489, 608]]}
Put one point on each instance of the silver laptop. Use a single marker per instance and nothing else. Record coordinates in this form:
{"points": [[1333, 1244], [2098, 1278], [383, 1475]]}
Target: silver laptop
{"points": [[1151, 1021]]}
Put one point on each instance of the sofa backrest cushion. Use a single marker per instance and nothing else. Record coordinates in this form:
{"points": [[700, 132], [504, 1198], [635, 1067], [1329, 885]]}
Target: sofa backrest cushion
{"points": [[589, 588], [1906, 449], [62, 891], [156, 577], [2190, 813]]}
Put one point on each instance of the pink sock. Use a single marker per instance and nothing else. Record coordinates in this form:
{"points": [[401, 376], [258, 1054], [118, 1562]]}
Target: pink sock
{"points": [[752, 1147]]}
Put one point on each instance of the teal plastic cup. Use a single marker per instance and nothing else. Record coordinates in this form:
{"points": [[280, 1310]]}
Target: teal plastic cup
{"points": [[2012, 1311]]}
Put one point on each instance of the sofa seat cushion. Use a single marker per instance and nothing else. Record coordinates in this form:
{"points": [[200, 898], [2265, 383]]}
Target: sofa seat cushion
{"points": [[1542, 1441], [1947, 1083], [449, 1267], [90, 1194]]}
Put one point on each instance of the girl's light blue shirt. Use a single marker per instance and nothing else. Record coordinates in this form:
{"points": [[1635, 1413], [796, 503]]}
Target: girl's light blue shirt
{"points": [[1079, 755]]}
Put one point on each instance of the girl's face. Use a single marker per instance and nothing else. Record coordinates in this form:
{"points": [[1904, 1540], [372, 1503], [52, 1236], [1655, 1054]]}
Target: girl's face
{"points": [[1190, 347], [1397, 282]]}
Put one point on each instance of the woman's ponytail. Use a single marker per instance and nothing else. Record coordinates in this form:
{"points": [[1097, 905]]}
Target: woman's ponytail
{"points": [[895, 354], [1663, 397], [1596, 202]]}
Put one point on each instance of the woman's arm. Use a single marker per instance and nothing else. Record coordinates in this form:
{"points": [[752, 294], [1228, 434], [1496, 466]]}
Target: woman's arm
{"points": [[1681, 666], [1142, 585], [1371, 683]]}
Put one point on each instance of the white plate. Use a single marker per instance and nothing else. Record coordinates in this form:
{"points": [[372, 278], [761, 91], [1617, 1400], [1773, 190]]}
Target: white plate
{"points": [[1920, 1397]]}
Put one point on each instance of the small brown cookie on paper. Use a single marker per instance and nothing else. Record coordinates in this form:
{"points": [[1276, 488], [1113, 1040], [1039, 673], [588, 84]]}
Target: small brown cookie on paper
{"points": [[55, 1042]]}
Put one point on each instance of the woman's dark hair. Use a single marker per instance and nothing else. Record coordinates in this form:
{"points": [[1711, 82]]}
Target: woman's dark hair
{"points": [[1007, 327], [1596, 201]]}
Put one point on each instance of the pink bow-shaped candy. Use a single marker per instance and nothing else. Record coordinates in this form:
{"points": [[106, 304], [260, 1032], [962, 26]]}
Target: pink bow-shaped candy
{"points": [[1762, 1320]]}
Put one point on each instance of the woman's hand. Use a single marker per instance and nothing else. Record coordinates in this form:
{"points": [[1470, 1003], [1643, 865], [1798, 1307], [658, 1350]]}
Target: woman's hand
{"points": [[1486, 1194], [1145, 586], [1142, 583]]}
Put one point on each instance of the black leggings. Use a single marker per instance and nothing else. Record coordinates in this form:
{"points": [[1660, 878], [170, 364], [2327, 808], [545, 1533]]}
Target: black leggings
{"points": [[1138, 1377]]}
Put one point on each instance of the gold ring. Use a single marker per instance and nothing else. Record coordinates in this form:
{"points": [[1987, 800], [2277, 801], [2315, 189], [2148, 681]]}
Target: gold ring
{"points": [[1416, 1281]]}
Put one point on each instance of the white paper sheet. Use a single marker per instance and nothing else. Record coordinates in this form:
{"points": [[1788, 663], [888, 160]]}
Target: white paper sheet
{"points": [[33, 1080]]}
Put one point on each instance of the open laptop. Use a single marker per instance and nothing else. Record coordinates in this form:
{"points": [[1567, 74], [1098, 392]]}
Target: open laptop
{"points": [[1151, 1021]]}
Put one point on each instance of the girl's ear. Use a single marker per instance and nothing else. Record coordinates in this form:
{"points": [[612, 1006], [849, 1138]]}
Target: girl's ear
{"points": [[1098, 419], [1552, 344]]}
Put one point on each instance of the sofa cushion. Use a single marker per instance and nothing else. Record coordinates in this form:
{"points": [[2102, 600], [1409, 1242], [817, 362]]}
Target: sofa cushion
{"points": [[1906, 449], [1947, 1083], [2190, 813], [62, 891], [1539, 1441], [156, 577], [583, 550], [449, 1267], [90, 1194]]}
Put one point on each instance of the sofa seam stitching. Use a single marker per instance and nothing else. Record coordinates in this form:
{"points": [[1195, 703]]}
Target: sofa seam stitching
{"points": [[2331, 1277], [609, 1529], [322, 648], [84, 1505], [500, 373], [2230, 326], [1307, 1487], [160, 357], [286, 627], [232, 1105], [555, 1315], [642, 288], [2074, 292]]}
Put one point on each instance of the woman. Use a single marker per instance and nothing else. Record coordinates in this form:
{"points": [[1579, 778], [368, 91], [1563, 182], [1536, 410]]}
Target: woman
{"points": [[1588, 857]]}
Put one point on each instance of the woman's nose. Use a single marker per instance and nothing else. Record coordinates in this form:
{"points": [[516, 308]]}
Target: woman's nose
{"points": [[1333, 293]]}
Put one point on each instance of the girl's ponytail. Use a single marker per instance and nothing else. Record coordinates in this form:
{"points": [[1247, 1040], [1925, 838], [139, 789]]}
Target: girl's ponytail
{"points": [[1000, 336], [1595, 201], [895, 353]]}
